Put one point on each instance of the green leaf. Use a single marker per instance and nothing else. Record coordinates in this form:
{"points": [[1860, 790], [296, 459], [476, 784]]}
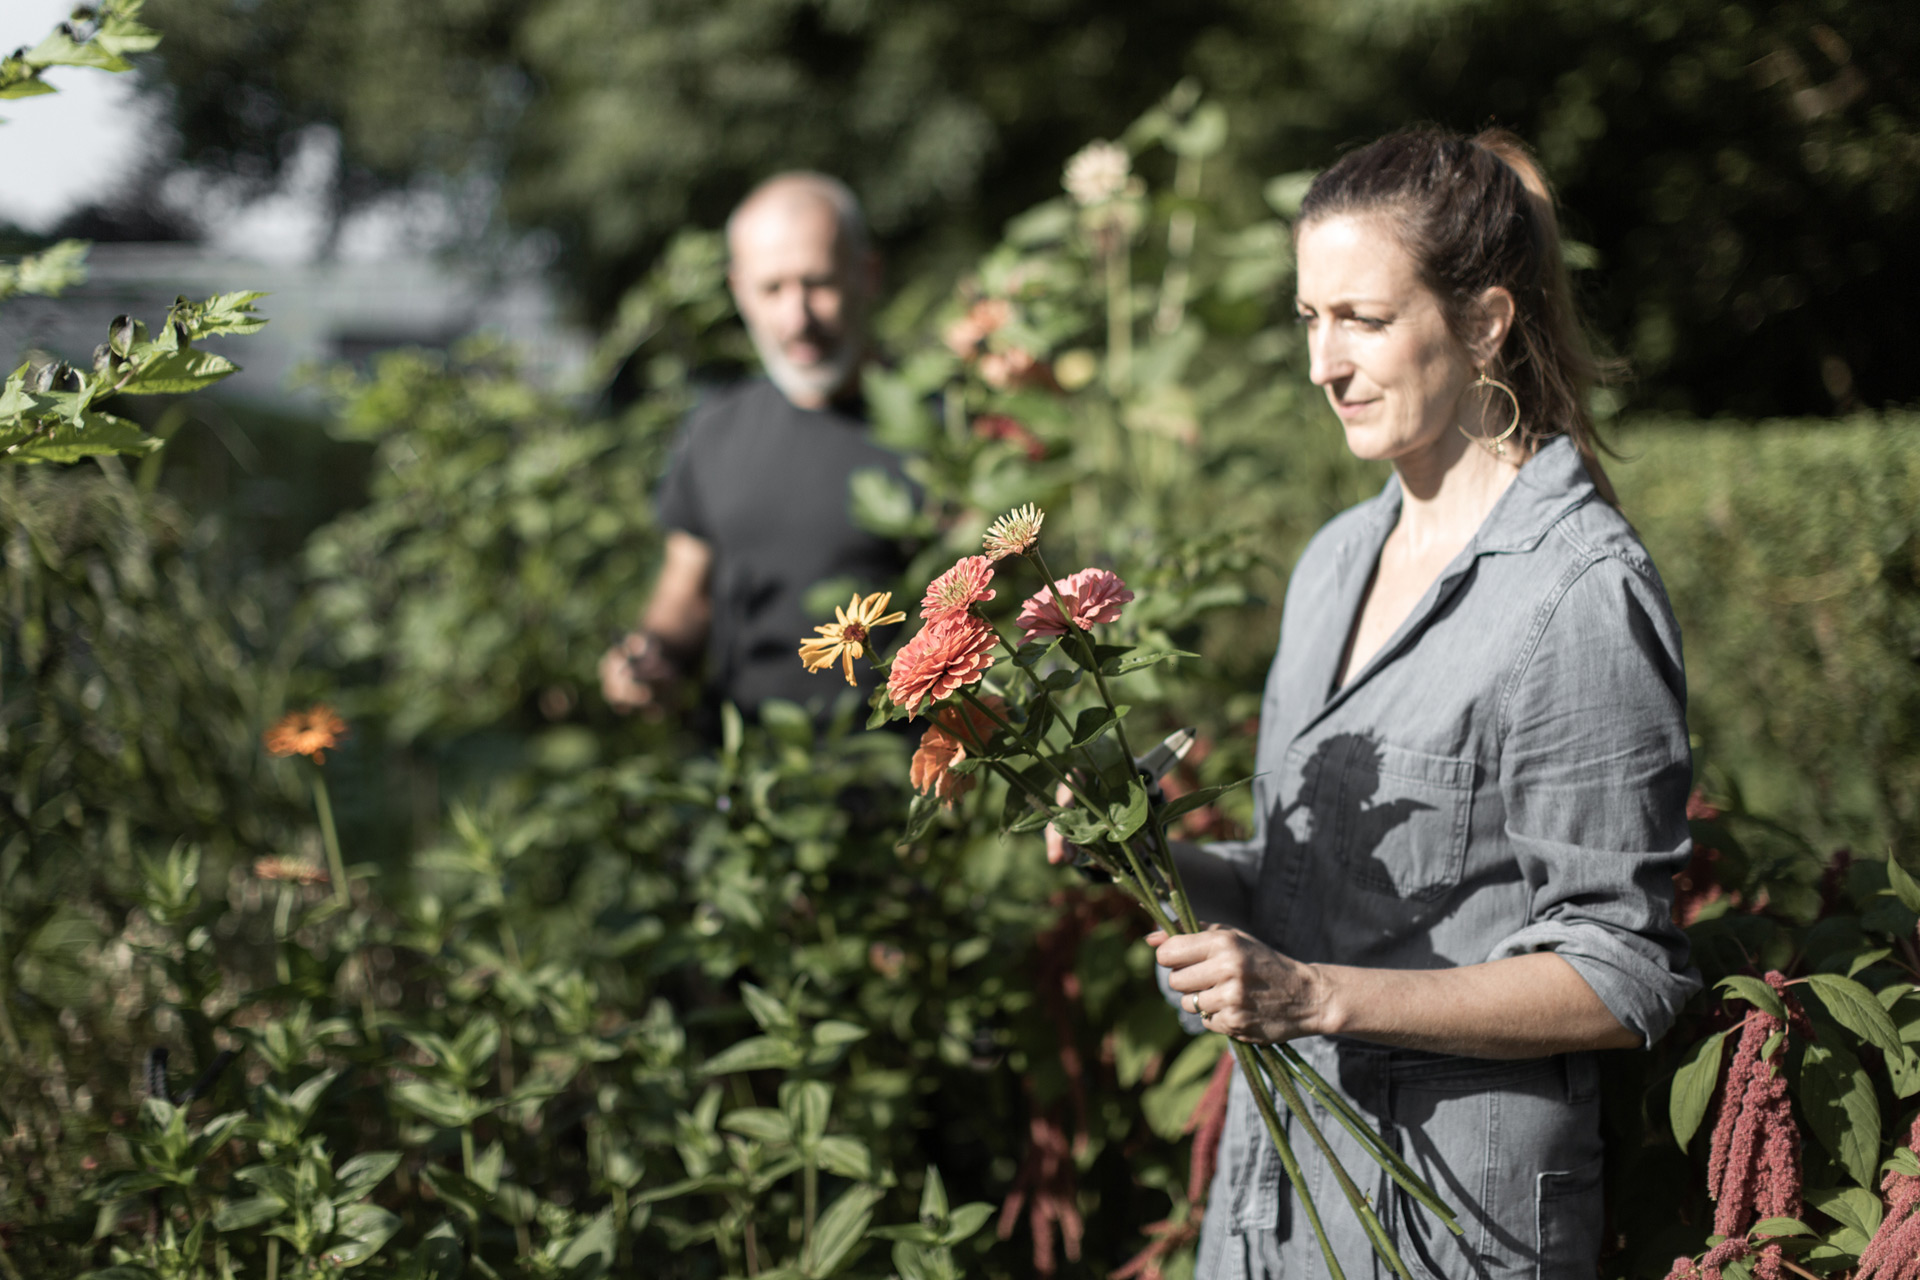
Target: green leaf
{"points": [[359, 1232], [807, 1105], [933, 1197], [48, 273], [1754, 992], [239, 1215], [844, 1157], [1855, 1008], [1693, 1087], [362, 1174], [1090, 724], [1119, 666], [762, 1124], [1129, 815], [1838, 1101], [1779, 1227], [1850, 1206], [174, 372], [833, 1032], [1197, 798], [766, 1009], [759, 1053], [1030, 653], [839, 1230], [1903, 885], [1902, 1160], [229, 313], [439, 1104], [966, 1222]]}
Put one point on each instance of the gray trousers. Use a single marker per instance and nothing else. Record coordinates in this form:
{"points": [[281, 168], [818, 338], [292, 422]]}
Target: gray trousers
{"points": [[1513, 1147]]}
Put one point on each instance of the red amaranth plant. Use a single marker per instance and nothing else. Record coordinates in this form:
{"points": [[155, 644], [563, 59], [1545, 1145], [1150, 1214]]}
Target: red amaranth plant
{"points": [[1208, 1124], [1894, 1251], [1753, 1171]]}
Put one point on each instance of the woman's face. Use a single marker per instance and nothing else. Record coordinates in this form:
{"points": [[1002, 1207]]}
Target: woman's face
{"points": [[1379, 343]]}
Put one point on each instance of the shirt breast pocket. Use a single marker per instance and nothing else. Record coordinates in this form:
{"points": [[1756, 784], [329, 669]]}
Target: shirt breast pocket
{"points": [[1400, 819]]}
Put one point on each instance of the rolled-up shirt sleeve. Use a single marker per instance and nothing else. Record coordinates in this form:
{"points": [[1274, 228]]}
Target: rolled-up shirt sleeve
{"points": [[1594, 773]]}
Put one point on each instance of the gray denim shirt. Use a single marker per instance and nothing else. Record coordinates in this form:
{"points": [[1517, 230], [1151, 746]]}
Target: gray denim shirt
{"points": [[1508, 774]]}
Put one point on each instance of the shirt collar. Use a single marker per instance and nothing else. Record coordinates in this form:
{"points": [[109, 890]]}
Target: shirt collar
{"points": [[1553, 482]]}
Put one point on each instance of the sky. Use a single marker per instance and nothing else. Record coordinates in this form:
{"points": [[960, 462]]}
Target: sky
{"points": [[63, 149]]}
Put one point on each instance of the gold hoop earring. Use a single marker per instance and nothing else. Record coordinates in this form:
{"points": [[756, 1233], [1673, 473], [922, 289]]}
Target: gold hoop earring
{"points": [[1496, 445]]}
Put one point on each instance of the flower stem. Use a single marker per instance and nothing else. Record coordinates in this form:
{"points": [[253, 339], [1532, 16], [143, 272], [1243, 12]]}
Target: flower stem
{"points": [[330, 838], [1250, 1071]]}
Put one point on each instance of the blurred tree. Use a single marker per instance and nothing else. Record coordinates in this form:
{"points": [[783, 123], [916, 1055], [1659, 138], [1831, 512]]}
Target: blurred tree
{"points": [[1743, 173]]}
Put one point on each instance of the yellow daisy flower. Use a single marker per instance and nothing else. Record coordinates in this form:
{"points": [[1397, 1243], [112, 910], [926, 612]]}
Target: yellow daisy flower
{"points": [[847, 639]]}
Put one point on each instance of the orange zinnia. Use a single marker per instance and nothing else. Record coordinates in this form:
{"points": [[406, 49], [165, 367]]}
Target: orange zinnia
{"points": [[847, 639], [945, 744], [309, 733]]}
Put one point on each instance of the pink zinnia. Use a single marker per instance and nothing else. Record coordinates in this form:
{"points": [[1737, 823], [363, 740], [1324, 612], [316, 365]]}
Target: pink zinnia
{"points": [[945, 656], [954, 593], [1091, 596]]}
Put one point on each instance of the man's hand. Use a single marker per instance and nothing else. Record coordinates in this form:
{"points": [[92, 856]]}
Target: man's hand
{"points": [[1240, 986], [636, 674]]}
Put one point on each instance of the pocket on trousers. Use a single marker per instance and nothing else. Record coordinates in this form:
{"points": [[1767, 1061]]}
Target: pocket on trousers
{"points": [[1401, 820], [1568, 1222]]}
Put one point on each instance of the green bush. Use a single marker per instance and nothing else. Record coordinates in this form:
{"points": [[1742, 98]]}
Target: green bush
{"points": [[1791, 551]]}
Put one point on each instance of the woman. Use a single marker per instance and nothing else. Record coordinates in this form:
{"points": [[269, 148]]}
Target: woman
{"points": [[1473, 760]]}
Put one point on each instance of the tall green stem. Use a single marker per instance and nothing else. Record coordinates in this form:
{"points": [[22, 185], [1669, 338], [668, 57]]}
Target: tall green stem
{"points": [[330, 838], [1250, 1071]]}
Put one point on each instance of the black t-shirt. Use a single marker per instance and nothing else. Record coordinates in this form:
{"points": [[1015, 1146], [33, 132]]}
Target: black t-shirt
{"points": [[765, 485]]}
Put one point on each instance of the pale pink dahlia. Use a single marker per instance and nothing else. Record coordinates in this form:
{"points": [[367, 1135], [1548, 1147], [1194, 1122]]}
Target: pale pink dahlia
{"points": [[954, 593], [1091, 596], [945, 656]]}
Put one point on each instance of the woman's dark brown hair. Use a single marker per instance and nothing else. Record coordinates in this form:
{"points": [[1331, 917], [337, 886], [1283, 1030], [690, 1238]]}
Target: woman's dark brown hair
{"points": [[1476, 213]]}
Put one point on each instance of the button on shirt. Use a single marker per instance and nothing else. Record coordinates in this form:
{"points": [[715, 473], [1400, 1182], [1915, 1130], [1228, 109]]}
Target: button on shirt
{"points": [[1507, 774]]}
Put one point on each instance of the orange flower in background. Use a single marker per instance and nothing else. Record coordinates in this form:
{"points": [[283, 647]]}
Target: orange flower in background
{"points": [[291, 870], [310, 733], [1091, 595], [946, 656], [956, 591], [983, 319], [847, 639], [1014, 533], [945, 744]]}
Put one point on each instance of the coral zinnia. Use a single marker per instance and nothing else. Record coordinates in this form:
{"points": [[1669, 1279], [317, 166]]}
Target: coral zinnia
{"points": [[309, 733], [956, 591], [945, 744], [847, 639], [944, 657], [1014, 533], [1091, 596]]}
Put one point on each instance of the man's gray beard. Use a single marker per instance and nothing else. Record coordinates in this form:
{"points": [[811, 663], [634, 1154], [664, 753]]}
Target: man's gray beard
{"points": [[798, 381]]}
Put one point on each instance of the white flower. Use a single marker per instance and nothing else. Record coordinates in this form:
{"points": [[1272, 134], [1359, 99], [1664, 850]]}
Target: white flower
{"points": [[1097, 173]]}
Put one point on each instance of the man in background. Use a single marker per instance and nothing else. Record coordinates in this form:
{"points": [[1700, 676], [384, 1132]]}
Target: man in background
{"points": [[755, 502]]}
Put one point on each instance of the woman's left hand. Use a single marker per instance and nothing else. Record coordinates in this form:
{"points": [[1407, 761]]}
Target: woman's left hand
{"points": [[1240, 986]]}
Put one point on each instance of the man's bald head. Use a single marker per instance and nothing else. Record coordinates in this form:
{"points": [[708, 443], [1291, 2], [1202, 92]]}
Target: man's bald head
{"points": [[805, 278], [795, 193]]}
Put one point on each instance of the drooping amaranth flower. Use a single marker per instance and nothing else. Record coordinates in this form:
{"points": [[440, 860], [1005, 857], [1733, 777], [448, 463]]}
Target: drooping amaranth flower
{"points": [[944, 657], [954, 593], [1014, 533], [847, 639], [310, 733], [1894, 1251], [1091, 596]]}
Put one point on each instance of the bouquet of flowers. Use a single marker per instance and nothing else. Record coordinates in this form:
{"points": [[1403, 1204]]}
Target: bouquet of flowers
{"points": [[1079, 775]]}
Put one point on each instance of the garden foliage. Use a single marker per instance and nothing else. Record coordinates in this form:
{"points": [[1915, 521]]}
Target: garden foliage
{"points": [[566, 996]]}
